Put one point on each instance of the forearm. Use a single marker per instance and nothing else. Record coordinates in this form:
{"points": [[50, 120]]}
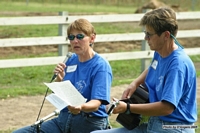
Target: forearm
{"points": [[152, 109], [91, 106]]}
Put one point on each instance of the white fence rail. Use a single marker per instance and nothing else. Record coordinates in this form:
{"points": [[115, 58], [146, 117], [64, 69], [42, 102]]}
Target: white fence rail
{"points": [[64, 20]]}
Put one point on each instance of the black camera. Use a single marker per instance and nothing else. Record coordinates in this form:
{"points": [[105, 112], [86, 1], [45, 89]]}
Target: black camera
{"points": [[132, 120]]}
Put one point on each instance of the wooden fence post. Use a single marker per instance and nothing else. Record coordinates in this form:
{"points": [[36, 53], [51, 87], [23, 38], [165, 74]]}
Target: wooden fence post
{"points": [[62, 31], [27, 2], [144, 62]]}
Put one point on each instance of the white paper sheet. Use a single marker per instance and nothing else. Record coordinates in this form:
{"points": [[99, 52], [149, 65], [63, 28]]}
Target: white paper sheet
{"points": [[64, 94], [56, 101]]}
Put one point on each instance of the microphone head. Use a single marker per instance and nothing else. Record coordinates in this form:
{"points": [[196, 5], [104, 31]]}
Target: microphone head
{"points": [[67, 57], [69, 54]]}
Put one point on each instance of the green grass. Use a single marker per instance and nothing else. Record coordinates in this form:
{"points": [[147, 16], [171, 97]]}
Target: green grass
{"points": [[24, 81], [52, 30], [29, 80], [28, 31], [54, 8], [79, 6]]}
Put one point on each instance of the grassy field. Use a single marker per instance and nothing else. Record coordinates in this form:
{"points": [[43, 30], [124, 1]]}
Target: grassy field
{"points": [[34, 76], [29, 80], [119, 6]]}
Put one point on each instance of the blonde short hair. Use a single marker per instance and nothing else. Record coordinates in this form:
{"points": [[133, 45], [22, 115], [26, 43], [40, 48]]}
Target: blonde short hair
{"points": [[81, 25]]}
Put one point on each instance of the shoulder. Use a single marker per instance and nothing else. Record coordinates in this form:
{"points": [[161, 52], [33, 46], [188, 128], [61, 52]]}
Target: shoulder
{"points": [[101, 62], [181, 61], [100, 58]]}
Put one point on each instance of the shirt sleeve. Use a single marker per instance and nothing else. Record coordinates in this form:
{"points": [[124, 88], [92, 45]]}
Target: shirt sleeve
{"points": [[101, 86]]}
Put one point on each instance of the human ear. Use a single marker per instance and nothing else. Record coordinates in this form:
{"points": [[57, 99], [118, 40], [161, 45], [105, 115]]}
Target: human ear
{"points": [[167, 34], [92, 38]]}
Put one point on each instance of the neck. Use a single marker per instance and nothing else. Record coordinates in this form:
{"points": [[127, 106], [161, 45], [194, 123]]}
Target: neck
{"points": [[168, 49], [86, 56]]}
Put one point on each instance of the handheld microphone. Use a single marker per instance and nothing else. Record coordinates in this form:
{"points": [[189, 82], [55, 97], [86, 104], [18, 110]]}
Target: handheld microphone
{"points": [[112, 106], [55, 113], [65, 60]]}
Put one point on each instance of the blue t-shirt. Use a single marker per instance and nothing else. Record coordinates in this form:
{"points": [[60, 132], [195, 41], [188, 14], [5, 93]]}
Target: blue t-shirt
{"points": [[173, 79], [92, 78]]}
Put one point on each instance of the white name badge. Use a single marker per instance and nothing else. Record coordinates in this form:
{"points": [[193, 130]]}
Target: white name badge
{"points": [[154, 64], [71, 68]]}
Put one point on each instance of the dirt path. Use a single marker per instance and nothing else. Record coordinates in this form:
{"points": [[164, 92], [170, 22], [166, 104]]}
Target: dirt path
{"points": [[21, 111], [18, 112]]}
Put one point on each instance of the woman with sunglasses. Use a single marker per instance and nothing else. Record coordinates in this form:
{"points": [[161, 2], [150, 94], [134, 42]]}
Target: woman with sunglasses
{"points": [[92, 77], [170, 79]]}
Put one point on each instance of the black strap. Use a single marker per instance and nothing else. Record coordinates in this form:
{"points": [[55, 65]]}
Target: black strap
{"points": [[127, 108]]}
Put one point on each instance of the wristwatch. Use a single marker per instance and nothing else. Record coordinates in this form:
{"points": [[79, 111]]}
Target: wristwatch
{"points": [[128, 109]]}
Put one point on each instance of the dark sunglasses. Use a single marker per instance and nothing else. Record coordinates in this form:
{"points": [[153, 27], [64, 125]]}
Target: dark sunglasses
{"points": [[78, 36], [148, 35]]}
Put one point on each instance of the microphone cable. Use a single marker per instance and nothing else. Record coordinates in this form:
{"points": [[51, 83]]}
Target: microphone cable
{"points": [[38, 126], [52, 79]]}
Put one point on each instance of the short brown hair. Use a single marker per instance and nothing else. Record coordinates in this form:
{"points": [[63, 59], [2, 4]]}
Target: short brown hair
{"points": [[81, 25], [161, 19]]}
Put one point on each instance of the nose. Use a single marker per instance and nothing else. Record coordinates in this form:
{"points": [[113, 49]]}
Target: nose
{"points": [[146, 37]]}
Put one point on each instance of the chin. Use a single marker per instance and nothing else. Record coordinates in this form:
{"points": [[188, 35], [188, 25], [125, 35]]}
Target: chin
{"points": [[151, 47], [77, 51]]}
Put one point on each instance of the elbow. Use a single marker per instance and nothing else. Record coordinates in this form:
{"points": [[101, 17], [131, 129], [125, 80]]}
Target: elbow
{"points": [[168, 108], [168, 112], [95, 109]]}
